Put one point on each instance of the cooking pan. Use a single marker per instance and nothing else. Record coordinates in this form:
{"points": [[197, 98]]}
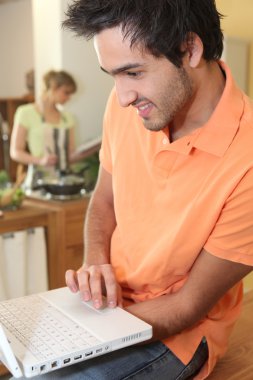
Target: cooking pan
{"points": [[63, 186]]}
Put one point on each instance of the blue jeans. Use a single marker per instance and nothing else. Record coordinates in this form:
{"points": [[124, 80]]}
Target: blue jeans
{"points": [[153, 361]]}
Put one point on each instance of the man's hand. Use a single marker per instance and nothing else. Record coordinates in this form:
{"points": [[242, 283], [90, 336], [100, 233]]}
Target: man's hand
{"points": [[94, 281]]}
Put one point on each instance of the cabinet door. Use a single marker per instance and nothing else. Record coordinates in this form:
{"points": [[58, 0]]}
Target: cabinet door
{"points": [[7, 109], [74, 257]]}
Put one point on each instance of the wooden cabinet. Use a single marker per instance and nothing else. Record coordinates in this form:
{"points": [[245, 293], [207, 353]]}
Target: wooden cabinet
{"points": [[67, 226], [63, 222], [8, 108], [30, 216]]}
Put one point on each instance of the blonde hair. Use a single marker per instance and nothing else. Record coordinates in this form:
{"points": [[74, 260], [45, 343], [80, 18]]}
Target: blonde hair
{"points": [[59, 78]]}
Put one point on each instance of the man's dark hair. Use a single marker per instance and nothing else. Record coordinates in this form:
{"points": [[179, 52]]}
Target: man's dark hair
{"points": [[159, 26]]}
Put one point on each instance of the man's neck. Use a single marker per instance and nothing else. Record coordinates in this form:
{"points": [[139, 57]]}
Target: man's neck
{"points": [[209, 84]]}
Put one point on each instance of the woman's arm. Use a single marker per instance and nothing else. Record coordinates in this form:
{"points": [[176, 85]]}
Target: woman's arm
{"points": [[19, 153]]}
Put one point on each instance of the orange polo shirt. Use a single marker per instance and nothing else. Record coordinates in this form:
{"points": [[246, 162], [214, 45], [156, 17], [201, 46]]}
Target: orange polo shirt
{"points": [[174, 198]]}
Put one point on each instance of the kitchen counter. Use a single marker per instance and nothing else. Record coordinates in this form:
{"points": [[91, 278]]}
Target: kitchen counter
{"points": [[66, 233], [63, 222], [30, 216]]}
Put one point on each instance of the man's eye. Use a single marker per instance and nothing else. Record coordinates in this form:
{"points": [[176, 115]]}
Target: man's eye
{"points": [[132, 73]]}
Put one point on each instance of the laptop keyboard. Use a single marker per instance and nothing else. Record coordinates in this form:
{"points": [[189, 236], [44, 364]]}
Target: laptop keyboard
{"points": [[42, 328]]}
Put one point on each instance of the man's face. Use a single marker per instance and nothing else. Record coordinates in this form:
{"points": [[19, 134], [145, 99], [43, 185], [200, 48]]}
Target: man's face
{"points": [[154, 86]]}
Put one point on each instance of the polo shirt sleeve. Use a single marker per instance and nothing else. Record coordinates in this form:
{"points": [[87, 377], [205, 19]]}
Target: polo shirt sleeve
{"points": [[232, 236], [105, 153]]}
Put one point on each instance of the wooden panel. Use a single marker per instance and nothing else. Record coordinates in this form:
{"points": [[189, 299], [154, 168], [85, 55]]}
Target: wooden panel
{"points": [[68, 222], [75, 214], [30, 216], [74, 257], [237, 364], [8, 108], [74, 230], [248, 282], [23, 218], [3, 370]]}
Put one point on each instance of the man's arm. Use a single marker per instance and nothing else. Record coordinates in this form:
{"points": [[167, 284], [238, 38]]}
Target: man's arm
{"points": [[208, 281], [96, 272], [100, 221]]}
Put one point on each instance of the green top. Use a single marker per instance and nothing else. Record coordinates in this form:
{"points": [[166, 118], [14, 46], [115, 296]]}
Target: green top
{"points": [[41, 135]]}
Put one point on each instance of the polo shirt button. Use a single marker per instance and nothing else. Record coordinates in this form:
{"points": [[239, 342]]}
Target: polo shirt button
{"points": [[165, 141]]}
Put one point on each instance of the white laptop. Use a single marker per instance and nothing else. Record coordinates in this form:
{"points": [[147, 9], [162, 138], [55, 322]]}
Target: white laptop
{"points": [[50, 330]]}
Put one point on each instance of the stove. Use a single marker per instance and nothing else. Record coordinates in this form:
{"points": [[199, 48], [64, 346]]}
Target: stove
{"points": [[42, 195]]}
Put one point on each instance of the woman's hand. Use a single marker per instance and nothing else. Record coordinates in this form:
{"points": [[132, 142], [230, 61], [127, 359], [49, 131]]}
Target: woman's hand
{"points": [[94, 281], [48, 160]]}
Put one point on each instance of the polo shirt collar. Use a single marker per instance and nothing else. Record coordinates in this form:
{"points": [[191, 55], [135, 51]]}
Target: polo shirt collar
{"points": [[218, 133]]}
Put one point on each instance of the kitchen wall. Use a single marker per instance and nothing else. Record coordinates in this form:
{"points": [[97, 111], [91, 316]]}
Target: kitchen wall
{"points": [[19, 54], [31, 37], [238, 23], [60, 49], [16, 47]]}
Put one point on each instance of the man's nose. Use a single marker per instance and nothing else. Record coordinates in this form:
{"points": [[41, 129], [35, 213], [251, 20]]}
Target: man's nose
{"points": [[125, 95]]}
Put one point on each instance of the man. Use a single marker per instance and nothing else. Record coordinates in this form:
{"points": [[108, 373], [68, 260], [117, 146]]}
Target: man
{"points": [[169, 231]]}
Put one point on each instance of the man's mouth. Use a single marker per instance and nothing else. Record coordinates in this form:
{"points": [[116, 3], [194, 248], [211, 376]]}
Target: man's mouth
{"points": [[144, 110]]}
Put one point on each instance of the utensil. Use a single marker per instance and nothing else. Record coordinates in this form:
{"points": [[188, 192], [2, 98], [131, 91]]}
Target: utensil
{"points": [[66, 185]]}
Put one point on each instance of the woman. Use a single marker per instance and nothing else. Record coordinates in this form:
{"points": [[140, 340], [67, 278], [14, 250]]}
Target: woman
{"points": [[43, 135]]}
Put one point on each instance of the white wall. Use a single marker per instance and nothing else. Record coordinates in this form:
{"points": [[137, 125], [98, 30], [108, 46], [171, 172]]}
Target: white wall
{"points": [[16, 47], [31, 36], [46, 16], [79, 58], [59, 49], [235, 48]]}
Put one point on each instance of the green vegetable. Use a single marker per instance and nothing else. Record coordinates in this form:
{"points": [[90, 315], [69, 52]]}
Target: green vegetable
{"points": [[16, 198], [4, 178]]}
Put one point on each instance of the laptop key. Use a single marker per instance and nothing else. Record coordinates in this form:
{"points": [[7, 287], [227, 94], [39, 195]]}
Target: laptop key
{"points": [[55, 333]]}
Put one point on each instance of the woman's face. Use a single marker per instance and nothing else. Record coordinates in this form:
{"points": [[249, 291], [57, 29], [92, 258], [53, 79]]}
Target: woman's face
{"points": [[62, 94]]}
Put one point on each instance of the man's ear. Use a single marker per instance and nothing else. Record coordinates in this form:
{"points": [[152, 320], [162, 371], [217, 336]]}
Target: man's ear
{"points": [[193, 49]]}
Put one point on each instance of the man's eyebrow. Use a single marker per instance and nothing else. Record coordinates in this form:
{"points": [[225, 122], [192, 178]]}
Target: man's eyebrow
{"points": [[122, 68]]}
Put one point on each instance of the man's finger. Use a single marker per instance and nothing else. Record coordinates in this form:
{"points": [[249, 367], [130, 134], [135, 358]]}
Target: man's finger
{"points": [[83, 277], [71, 280], [111, 286], [96, 286]]}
